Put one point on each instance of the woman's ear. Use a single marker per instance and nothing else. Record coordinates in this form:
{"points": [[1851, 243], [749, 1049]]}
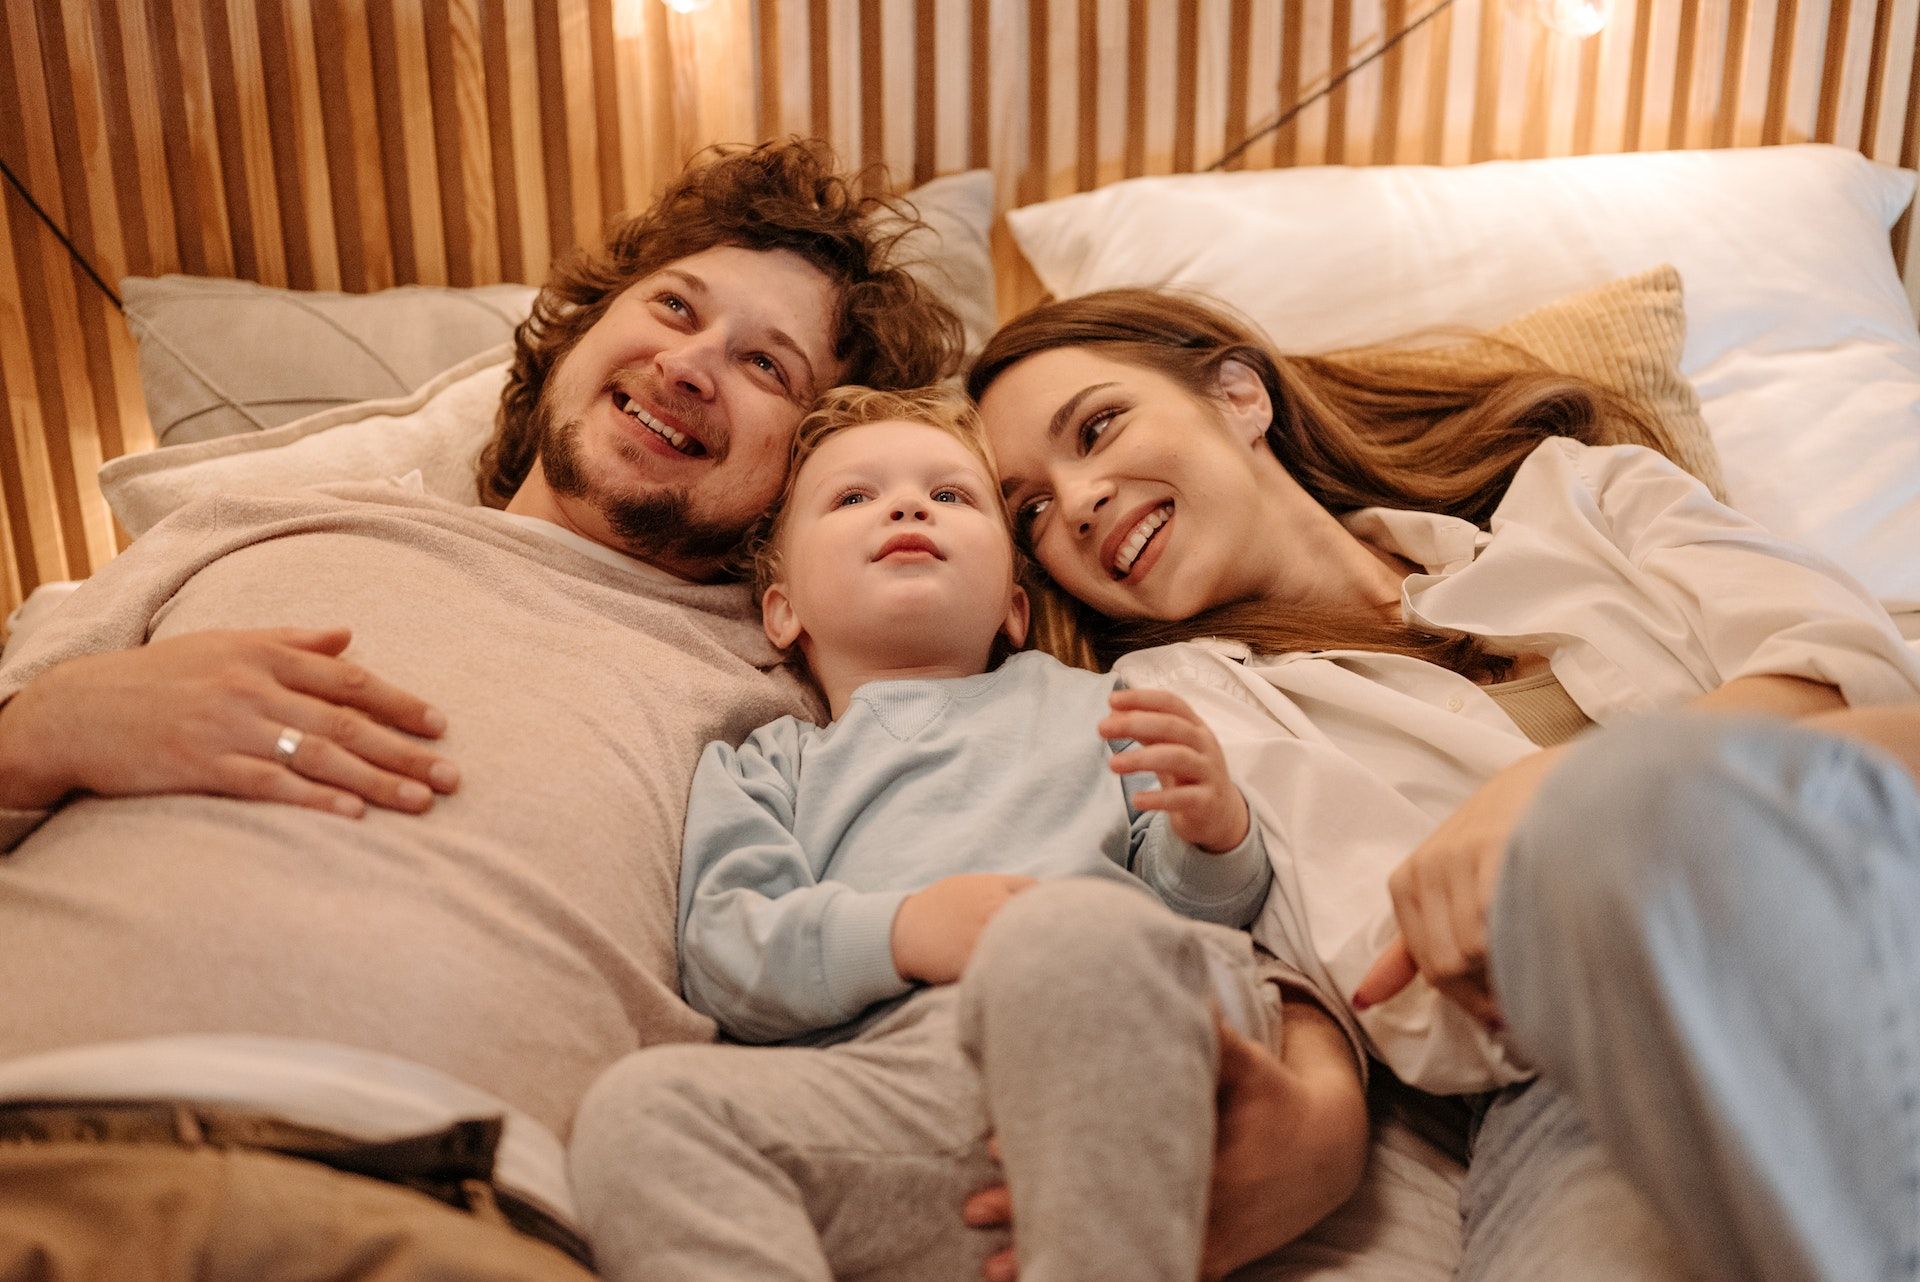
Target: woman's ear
{"points": [[1249, 410], [777, 616], [1019, 612]]}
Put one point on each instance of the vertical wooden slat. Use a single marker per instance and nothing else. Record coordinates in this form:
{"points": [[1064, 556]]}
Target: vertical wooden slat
{"points": [[1637, 77], [1780, 79], [1486, 76], [527, 171], [1339, 53], [819, 20], [873, 85], [980, 98], [1386, 134], [1876, 75], [607, 124], [553, 127], [1535, 120], [1034, 184], [193, 152], [285, 173], [1732, 69], [1832, 70], [1135, 161], [1587, 95], [766, 19], [926, 91], [1439, 59], [1684, 55], [309, 143], [140, 246], [1087, 152], [1239, 69], [1186, 78]]}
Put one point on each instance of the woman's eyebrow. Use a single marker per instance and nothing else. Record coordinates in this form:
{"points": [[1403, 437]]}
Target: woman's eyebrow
{"points": [[1064, 415]]}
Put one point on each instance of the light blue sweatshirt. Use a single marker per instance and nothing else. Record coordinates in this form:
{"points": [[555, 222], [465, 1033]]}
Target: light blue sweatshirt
{"points": [[802, 843]]}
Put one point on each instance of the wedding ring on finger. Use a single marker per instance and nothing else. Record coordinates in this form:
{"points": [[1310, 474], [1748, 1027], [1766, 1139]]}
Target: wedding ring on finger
{"points": [[286, 745]]}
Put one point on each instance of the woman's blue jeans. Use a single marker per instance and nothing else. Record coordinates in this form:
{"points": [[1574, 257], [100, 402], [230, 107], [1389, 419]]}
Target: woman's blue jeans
{"points": [[1707, 939]]}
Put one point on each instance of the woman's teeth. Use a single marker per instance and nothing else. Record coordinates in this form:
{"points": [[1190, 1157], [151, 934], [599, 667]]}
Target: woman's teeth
{"points": [[679, 440], [1136, 542]]}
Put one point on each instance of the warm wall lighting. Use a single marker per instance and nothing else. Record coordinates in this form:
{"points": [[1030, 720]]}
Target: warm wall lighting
{"points": [[1574, 17], [630, 19]]}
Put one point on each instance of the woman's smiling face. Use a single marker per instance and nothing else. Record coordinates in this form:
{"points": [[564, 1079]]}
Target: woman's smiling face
{"points": [[1139, 497]]}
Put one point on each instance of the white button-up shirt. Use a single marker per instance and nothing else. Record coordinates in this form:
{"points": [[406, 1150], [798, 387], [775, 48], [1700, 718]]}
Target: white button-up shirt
{"points": [[1642, 592]]}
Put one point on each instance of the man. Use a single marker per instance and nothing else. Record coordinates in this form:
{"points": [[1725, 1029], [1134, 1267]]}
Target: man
{"points": [[339, 819]]}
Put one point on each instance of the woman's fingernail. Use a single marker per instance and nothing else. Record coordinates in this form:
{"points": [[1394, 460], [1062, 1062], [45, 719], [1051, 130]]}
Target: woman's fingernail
{"points": [[414, 793], [444, 775], [351, 807], [434, 720]]}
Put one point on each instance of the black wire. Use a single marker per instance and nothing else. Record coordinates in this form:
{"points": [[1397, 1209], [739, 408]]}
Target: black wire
{"points": [[1331, 85], [72, 250]]}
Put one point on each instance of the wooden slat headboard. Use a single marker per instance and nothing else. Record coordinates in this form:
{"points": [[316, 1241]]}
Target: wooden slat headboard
{"points": [[357, 144]]}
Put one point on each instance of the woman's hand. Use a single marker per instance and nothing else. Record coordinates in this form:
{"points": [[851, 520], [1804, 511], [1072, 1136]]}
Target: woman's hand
{"points": [[1443, 890], [1290, 1144], [206, 712], [936, 929], [1203, 806]]}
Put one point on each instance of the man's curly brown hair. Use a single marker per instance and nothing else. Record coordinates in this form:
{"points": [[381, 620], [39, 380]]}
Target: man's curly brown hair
{"points": [[888, 329]]}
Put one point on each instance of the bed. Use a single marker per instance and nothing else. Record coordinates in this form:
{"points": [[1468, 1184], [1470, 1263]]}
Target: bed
{"points": [[1777, 318]]}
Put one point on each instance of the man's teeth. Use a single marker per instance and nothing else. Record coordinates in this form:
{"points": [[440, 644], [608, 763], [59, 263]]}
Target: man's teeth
{"points": [[1137, 541], [679, 440]]}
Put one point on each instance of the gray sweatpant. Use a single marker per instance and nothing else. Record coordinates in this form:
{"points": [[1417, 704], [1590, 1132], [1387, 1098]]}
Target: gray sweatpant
{"points": [[1707, 938], [1080, 1035]]}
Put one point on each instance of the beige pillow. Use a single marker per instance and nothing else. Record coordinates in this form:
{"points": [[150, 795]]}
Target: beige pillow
{"points": [[437, 431], [1625, 335]]}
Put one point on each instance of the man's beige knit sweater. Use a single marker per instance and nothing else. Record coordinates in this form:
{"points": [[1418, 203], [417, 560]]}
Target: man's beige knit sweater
{"points": [[520, 935]]}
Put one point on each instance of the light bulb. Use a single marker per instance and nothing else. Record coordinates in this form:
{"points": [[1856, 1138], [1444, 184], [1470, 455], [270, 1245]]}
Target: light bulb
{"points": [[1574, 17], [686, 6]]}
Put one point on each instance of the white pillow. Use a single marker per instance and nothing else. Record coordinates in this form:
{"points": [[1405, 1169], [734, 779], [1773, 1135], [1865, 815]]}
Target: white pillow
{"points": [[437, 430], [1800, 337]]}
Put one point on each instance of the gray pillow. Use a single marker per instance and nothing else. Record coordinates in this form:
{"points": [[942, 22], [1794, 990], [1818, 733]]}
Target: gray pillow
{"points": [[222, 357], [219, 357]]}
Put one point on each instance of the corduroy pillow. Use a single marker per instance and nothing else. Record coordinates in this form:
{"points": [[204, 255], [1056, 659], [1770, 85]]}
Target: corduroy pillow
{"points": [[1626, 336]]}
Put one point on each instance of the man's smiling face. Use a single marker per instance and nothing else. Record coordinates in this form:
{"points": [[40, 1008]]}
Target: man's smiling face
{"points": [[665, 431]]}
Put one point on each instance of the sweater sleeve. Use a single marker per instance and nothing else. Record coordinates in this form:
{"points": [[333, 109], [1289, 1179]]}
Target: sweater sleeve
{"points": [[113, 610], [1757, 604], [769, 947], [1226, 888]]}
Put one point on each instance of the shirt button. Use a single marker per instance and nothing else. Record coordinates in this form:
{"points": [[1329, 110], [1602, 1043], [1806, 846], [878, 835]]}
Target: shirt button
{"points": [[1456, 703]]}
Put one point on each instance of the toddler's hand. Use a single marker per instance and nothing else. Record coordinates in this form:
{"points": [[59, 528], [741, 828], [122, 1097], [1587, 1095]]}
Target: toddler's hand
{"points": [[1201, 801], [936, 929]]}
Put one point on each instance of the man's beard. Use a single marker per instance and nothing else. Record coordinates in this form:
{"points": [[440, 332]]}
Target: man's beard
{"points": [[658, 525]]}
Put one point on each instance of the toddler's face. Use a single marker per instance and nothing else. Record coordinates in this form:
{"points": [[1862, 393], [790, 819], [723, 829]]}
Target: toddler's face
{"points": [[895, 537]]}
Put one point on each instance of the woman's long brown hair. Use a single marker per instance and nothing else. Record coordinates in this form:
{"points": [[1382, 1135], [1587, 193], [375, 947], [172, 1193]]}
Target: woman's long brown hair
{"points": [[1382, 428]]}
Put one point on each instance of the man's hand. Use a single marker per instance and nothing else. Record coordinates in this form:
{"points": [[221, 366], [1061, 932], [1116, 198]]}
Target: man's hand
{"points": [[935, 931], [202, 713], [1443, 890], [1203, 806]]}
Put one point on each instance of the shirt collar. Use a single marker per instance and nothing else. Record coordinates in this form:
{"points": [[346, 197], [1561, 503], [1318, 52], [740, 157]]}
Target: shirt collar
{"points": [[1437, 543]]}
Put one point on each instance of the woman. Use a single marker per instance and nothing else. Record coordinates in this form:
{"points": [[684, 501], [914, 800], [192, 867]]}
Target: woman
{"points": [[1412, 592]]}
